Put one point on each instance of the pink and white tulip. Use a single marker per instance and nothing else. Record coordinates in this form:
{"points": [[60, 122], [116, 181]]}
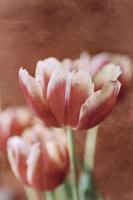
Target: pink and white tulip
{"points": [[100, 67], [13, 120], [39, 158], [61, 96]]}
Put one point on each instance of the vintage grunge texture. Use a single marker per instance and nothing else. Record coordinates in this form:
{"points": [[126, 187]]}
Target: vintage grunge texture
{"points": [[31, 30]]}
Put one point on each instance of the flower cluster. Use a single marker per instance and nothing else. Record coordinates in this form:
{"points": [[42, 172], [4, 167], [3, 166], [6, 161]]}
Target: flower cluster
{"points": [[73, 94]]}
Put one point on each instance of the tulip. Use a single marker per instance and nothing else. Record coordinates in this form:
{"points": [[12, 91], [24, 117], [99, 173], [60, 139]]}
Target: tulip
{"points": [[87, 63], [13, 121], [61, 96], [126, 68], [100, 67], [39, 158]]}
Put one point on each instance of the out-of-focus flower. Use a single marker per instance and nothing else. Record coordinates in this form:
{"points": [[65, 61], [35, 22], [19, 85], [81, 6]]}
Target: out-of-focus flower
{"points": [[101, 67], [6, 194], [40, 157], [126, 67], [62, 97], [13, 121]]}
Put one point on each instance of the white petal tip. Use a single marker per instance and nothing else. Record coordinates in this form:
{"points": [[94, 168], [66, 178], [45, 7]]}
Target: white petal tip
{"points": [[23, 74]]}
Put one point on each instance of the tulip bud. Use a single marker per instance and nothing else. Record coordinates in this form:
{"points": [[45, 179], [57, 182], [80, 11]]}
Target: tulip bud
{"points": [[39, 158]]}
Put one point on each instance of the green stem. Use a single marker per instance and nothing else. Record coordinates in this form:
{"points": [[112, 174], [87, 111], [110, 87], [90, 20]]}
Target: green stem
{"points": [[73, 167], [33, 194], [50, 195], [90, 148], [63, 192], [88, 189]]}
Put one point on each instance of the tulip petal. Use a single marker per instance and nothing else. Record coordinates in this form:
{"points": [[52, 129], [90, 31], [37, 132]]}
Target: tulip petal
{"points": [[109, 72], [44, 70], [125, 64], [35, 166], [55, 154], [32, 90], [81, 87], [98, 106], [18, 151], [85, 58], [67, 63], [41, 169], [78, 64], [97, 62], [22, 118], [56, 94], [34, 96]]}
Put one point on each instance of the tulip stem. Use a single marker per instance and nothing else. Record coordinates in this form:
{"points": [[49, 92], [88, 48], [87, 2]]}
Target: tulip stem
{"points": [[73, 167], [90, 148], [50, 195], [87, 185], [33, 194]]}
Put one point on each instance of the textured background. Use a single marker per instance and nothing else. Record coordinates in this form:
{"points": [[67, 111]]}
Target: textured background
{"points": [[32, 30]]}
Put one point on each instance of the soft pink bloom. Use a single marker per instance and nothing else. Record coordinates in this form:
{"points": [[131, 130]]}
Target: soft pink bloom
{"points": [[40, 157], [101, 66], [126, 67], [62, 96], [13, 121]]}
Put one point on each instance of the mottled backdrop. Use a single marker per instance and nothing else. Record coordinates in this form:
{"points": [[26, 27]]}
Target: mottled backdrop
{"points": [[32, 30]]}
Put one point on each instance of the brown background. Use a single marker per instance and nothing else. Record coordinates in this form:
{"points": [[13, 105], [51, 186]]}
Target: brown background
{"points": [[32, 30]]}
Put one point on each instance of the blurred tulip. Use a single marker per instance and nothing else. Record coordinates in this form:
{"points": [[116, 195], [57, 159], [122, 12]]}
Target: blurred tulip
{"points": [[126, 67], [12, 122], [7, 194], [101, 66], [62, 96], [39, 158]]}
